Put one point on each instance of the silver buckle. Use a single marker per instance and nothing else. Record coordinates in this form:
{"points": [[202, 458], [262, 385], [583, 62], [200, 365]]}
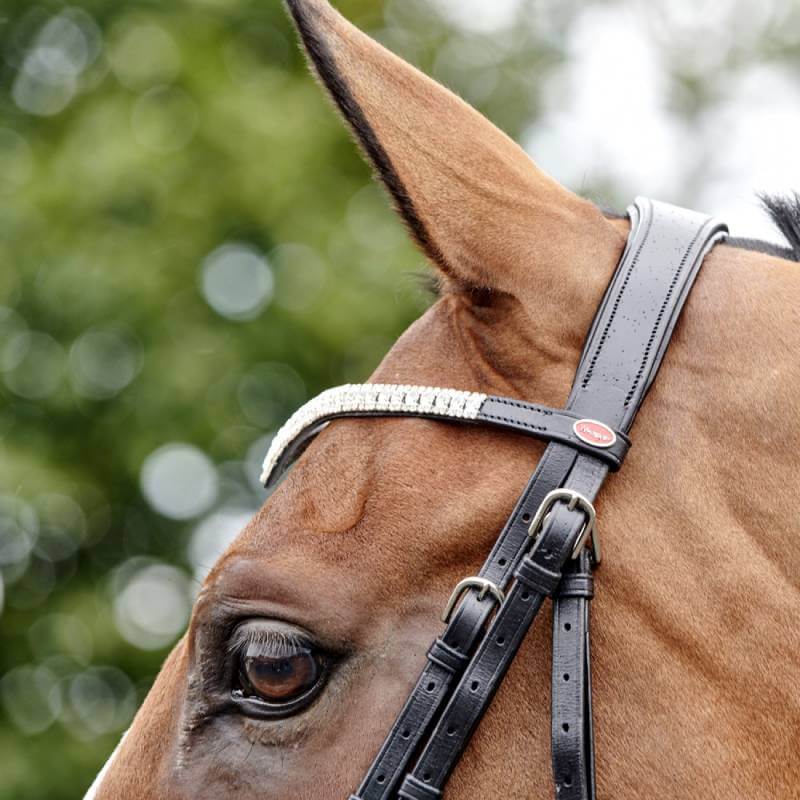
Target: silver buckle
{"points": [[485, 587], [573, 500]]}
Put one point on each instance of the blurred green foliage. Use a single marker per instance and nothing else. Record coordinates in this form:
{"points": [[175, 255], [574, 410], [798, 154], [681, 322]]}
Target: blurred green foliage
{"points": [[194, 125], [139, 143]]}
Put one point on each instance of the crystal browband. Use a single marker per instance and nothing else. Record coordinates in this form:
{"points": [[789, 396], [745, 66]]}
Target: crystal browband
{"points": [[389, 400]]}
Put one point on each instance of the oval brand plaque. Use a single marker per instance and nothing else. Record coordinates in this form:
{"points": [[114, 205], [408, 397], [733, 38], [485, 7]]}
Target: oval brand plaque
{"points": [[594, 433]]}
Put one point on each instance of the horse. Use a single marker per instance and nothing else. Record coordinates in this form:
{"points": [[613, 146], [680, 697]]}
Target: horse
{"points": [[340, 577]]}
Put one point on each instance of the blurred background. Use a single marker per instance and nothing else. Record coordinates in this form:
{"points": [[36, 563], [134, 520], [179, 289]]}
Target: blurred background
{"points": [[190, 247]]}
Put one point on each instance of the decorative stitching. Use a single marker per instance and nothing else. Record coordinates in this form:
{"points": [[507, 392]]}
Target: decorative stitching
{"points": [[506, 401], [515, 422], [617, 300], [659, 318]]}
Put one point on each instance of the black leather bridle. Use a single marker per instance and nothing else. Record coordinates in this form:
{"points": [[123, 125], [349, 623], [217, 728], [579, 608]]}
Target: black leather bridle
{"points": [[541, 550]]}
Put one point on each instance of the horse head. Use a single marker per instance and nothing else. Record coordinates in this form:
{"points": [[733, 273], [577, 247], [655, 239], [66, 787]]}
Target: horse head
{"points": [[310, 631]]}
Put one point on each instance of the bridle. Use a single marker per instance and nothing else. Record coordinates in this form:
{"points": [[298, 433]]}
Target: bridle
{"points": [[542, 550]]}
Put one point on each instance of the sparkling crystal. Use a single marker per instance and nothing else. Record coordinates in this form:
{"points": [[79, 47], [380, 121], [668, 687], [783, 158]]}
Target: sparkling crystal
{"points": [[390, 399], [457, 404]]}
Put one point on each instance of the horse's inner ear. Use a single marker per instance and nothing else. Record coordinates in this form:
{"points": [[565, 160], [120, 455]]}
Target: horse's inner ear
{"points": [[476, 204]]}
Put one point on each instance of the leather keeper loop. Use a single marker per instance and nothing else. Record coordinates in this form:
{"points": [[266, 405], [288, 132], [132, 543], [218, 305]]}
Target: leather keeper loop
{"points": [[536, 577], [413, 789], [576, 585], [447, 657]]}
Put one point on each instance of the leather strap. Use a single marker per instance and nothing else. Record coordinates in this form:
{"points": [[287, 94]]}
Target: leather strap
{"points": [[635, 321], [366, 400], [552, 425], [496, 651], [665, 268], [571, 720], [624, 349], [464, 629]]}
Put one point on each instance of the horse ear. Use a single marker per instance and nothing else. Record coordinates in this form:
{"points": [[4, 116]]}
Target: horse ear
{"points": [[477, 205]]}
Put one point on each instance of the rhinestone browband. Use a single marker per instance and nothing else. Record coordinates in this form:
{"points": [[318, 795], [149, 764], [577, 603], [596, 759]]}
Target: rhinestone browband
{"points": [[386, 400]]}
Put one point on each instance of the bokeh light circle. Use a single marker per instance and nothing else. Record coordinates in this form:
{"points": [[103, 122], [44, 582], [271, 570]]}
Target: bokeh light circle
{"points": [[152, 606], [48, 78], [62, 526], [33, 364], [478, 15], [19, 530], [31, 698], [99, 700], [41, 92], [237, 281], [212, 536], [144, 55], [103, 361], [33, 583], [179, 481]]}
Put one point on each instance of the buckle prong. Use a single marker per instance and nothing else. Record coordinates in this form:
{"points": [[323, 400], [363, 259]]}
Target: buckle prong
{"points": [[484, 587], [573, 500]]}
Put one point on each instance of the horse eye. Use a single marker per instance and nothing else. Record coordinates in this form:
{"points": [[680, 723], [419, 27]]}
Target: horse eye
{"points": [[277, 674], [277, 679]]}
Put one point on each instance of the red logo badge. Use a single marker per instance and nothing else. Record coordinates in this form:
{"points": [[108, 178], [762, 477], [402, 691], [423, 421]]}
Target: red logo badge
{"points": [[594, 433]]}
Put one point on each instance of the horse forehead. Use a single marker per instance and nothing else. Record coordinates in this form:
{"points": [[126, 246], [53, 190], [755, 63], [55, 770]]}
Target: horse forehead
{"points": [[405, 489]]}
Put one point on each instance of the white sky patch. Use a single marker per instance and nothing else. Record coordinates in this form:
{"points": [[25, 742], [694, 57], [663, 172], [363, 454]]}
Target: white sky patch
{"points": [[758, 130], [480, 16], [604, 114], [607, 121]]}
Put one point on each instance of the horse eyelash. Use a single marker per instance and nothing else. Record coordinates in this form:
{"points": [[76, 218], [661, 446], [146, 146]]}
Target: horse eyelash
{"points": [[276, 644]]}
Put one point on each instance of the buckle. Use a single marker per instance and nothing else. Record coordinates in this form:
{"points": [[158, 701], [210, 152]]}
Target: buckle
{"points": [[484, 586], [573, 500]]}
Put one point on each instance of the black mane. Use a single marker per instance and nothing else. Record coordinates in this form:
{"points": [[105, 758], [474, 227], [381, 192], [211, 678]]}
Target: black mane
{"points": [[784, 211]]}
